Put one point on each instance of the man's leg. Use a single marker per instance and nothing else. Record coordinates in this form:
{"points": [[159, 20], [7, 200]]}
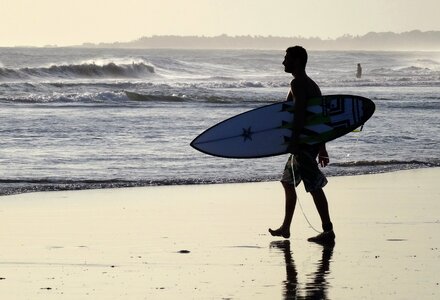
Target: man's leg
{"points": [[328, 236], [290, 198], [322, 207]]}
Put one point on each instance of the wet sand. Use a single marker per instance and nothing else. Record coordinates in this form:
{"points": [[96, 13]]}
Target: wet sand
{"points": [[211, 242]]}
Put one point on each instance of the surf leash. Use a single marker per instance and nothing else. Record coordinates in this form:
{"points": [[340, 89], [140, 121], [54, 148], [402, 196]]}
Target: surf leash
{"points": [[292, 158]]}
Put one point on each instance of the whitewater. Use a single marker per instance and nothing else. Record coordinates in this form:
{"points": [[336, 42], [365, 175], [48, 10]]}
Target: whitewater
{"points": [[76, 118]]}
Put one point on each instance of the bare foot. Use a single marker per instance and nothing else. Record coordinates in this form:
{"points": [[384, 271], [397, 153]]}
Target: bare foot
{"points": [[285, 233]]}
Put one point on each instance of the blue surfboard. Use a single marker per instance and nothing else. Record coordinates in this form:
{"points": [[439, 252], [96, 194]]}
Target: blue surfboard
{"points": [[266, 131]]}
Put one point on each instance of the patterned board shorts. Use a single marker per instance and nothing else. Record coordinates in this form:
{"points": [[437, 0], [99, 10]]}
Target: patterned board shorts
{"points": [[303, 166]]}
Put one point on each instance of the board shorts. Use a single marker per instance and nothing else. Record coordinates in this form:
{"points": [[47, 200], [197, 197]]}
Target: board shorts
{"points": [[305, 168]]}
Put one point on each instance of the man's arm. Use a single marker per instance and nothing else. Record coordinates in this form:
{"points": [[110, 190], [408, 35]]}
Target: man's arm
{"points": [[323, 158]]}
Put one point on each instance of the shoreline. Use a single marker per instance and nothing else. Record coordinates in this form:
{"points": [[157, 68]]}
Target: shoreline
{"points": [[211, 241], [18, 187]]}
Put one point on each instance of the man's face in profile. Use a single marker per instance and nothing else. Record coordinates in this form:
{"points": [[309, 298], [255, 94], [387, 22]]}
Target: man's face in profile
{"points": [[289, 63]]}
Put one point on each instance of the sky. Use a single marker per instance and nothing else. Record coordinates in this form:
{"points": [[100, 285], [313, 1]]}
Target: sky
{"points": [[73, 22]]}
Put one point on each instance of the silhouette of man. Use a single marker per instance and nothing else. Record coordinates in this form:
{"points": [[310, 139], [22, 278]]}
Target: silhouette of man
{"points": [[302, 164]]}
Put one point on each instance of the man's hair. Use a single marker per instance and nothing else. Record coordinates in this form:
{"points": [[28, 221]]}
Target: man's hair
{"points": [[298, 52]]}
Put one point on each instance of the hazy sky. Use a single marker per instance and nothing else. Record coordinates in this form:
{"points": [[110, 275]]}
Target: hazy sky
{"points": [[69, 22]]}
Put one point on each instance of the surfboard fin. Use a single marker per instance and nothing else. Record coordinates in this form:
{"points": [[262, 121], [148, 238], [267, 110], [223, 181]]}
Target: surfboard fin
{"points": [[359, 129]]}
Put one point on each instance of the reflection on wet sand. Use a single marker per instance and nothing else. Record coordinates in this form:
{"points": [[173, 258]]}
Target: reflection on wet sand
{"points": [[314, 289]]}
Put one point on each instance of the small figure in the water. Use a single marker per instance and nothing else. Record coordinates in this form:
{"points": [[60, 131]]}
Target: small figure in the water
{"points": [[359, 71]]}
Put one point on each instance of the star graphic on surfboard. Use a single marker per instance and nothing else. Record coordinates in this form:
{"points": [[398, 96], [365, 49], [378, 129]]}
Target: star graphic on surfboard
{"points": [[247, 134]]}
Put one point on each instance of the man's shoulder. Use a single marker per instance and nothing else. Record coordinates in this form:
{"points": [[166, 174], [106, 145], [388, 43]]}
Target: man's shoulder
{"points": [[298, 81], [303, 82], [307, 86]]}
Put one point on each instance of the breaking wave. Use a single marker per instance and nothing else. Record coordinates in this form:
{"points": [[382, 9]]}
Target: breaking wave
{"points": [[74, 71]]}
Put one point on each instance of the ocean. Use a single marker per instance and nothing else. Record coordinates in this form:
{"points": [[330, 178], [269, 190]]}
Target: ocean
{"points": [[67, 122]]}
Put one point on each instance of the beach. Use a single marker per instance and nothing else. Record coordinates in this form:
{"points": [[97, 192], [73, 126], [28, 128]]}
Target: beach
{"points": [[211, 242]]}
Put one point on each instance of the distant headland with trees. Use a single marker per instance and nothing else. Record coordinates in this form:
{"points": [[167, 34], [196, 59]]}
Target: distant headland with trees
{"points": [[415, 40]]}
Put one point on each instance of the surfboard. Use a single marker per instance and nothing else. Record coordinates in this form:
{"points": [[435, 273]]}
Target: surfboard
{"points": [[267, 130]]}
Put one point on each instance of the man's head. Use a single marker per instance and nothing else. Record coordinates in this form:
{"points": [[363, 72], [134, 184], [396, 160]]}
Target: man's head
{"points": [[295, 59]]}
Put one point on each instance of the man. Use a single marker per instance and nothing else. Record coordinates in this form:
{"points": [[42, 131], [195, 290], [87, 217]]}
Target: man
{"points": [[359, 71], [302, 163]]}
